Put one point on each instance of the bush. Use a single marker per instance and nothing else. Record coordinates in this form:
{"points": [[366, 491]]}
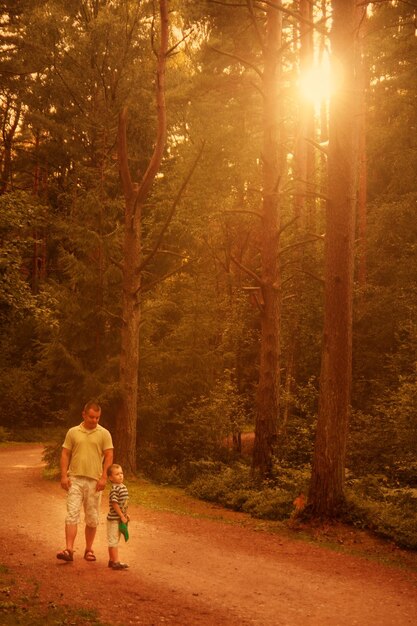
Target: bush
{"points": [[4, 434], [274, 504], [386, 511], [52, 455], [222, 485], [235, 489]]}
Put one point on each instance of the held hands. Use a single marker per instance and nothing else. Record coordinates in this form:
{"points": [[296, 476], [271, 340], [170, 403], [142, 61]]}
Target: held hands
{"points": [[101, 484], [65, 483]]}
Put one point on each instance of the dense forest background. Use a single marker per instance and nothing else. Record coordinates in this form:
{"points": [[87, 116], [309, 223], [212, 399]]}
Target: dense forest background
{"points": [[68, 70]]}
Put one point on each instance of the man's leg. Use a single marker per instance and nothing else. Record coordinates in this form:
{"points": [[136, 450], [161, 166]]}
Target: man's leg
{"points": [[70, 534], [92, 502], [74, 503], [90, 534]]}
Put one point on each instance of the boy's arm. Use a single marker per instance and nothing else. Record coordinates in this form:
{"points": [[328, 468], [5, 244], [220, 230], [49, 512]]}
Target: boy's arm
{"points": [[119, 512]]}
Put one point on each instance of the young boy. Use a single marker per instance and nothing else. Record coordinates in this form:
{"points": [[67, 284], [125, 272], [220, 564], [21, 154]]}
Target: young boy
{"points": [[118, 501]]}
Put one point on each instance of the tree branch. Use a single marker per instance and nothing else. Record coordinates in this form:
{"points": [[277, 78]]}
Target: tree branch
{"points": [[237, 58], [298, 16], [244, 211], [318, 278], [177, 270], [156, 158], [247, 270], [171, 50], [255, 25], [299, 243], [122, 156], [171, 213], [287, 225]]}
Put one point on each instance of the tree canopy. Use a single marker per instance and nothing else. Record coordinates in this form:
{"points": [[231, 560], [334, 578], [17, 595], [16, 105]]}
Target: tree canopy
{"points": [[228, 269]]}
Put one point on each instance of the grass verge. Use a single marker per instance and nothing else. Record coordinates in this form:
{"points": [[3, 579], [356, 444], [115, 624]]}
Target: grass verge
{"points": [[21, 605]]}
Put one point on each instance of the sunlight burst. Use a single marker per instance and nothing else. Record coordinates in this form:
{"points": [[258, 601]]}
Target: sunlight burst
{"points": [[318, 83]]}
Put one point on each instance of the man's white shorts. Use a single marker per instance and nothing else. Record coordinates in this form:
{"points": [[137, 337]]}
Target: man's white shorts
{"points": [[82, 493]]}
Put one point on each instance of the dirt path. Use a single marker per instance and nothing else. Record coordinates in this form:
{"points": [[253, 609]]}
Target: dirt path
{"points": [[186, 571]]}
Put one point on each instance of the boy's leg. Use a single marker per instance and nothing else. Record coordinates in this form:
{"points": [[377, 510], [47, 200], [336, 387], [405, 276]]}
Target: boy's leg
{"points": [[113, 540], [113, 554], [113, 537]]}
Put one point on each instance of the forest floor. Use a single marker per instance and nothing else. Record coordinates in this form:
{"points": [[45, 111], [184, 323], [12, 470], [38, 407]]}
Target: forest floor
{"points": [[206, 566]]}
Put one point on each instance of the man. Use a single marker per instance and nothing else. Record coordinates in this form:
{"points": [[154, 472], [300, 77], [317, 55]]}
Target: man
{"points": [[87, 452]]}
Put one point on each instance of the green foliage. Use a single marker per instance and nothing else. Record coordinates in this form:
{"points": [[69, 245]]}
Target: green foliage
{"points": [[197, 368], [16, 396], [208, 421], [274, 504], [235, 488], [295, 445], [392, 47], [386, 510], [372, 443], [199, 434], [221, 485], [4, 434], [52, 455], [24, 396], [19, 214], [199, 339], [385, 442]]}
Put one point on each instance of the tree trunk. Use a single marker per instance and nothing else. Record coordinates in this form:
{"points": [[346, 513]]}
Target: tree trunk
{"points": [[268, 387], [10, 123], [304, 171], [39, 236], [127, 412], [362, 186], [126, 418], [327, 480], [304, 157]]}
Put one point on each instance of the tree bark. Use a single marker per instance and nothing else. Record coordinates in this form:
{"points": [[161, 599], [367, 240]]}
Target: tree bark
{"points": [[304, 171], [304, 156], [125, 431], [268, 386], [362, 182], [328, 469], [11, 119]]}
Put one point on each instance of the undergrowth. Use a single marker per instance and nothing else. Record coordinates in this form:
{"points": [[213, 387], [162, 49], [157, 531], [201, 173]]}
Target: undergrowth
{"points": [[20, 605], [372, 502], [386, 509], [234, 488]]}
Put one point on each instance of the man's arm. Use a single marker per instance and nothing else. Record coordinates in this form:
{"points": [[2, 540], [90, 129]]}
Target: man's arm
{"points": [[108, 460], [64, 464]]}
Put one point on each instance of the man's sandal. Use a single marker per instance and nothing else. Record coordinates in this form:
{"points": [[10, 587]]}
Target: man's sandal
{"points": [[65, 555], [89, 556]]}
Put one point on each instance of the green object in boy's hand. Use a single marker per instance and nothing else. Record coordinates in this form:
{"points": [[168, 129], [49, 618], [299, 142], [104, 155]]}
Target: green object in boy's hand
{"points": [[124, 530]]}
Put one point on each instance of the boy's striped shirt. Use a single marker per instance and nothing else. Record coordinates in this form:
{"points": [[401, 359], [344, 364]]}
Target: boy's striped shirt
{"points": [[120, 495]]}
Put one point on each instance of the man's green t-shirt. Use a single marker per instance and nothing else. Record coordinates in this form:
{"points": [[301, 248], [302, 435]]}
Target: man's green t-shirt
{"points": [[87, 447]]}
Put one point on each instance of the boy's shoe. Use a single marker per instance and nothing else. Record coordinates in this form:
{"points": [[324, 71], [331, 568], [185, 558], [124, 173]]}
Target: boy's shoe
{"points": [[117, 565]]}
